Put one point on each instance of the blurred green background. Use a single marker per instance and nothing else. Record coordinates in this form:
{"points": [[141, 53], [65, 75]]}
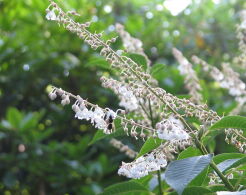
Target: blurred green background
{"points": [[43, 149]]}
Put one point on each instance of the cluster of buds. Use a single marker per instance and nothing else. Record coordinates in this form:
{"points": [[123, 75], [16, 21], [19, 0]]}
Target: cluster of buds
{"points": [[64, 96], [191, 79], [101, 118], [227, 78], [123, 148], [171, 129], [127, 98], [131, 44], [143, 165]]}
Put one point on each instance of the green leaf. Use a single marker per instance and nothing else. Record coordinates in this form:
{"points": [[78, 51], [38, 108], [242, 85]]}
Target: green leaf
{"points": [[14, 117], [194, 190], [218, 187], [149, 145], [98, 62], [238, 122], [180, 173], [125, 188], [189, 152], [156, 68], [143, 180], [222, 157], [139, 59], [230, 163]]}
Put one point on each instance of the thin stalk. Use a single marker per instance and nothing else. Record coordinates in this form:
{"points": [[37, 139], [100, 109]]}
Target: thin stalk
{"points": [[227, 183], [222, 177], [159, 182], [158, 172]]}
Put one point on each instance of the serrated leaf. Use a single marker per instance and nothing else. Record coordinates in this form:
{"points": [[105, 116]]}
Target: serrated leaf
{"points": [[125, 188], [149, 145], [238, 122], [189, 152], [180, 173]]}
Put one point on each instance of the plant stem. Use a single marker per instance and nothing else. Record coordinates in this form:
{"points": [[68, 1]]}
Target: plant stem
{"points": [[198, 143], [158, 172], [223, 178], [159, 182], [227, 183]]}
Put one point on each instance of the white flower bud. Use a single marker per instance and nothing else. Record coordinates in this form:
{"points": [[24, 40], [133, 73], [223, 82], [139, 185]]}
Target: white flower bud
{"points": [[52, 95]]}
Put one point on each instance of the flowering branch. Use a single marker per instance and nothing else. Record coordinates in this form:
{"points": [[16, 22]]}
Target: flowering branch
{"points": [[102, 115], [142, 85]]}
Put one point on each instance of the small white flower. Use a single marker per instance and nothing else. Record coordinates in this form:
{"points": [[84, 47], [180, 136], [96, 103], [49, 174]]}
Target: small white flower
{"points": [[50, 15], [171, 129]]}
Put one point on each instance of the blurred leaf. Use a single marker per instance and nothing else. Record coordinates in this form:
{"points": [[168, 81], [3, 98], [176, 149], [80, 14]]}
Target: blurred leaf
{"points": [[127, 187], [139, 59], [156, 69], [14, 117], [180, 173], [97, 61]]}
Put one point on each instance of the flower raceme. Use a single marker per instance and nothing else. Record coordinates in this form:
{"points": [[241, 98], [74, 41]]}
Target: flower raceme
{"points": [[138, 93], [169, 129]]}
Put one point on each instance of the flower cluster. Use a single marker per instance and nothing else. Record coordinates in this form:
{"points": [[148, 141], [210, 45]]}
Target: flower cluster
{"points": [[100, 118], [138, 93], [127, 98], [227, 78], [143, 165], [123, 148], [191, 80], [171, 129]]}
